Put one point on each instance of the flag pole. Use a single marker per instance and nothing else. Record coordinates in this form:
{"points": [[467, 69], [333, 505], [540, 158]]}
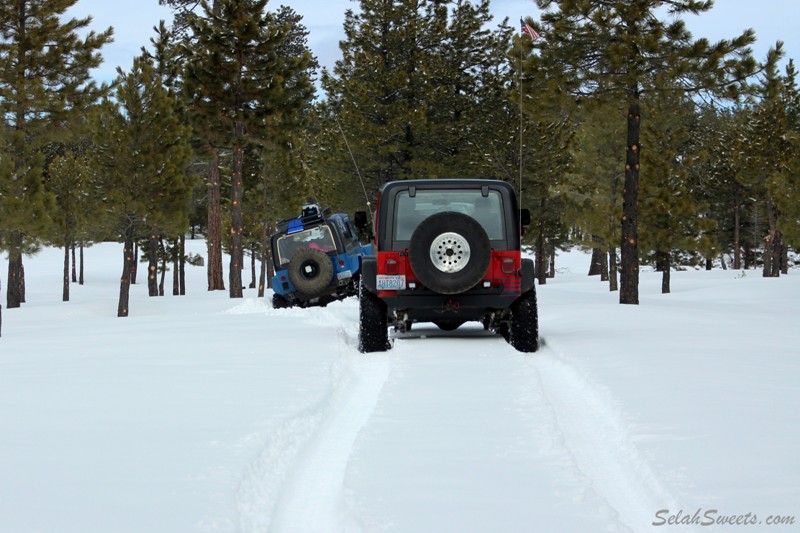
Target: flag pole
{"points": [[528, 30], [519, 82]]}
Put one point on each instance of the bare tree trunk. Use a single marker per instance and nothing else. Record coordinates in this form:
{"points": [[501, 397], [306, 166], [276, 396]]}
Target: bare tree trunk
{"points": [[237, 220], [666, 267], [74, 271], [135, 266], [163, 267], [613, 284], [785, 259], [748, 257], [80, 269], [737, 254], [551, 271], [541, 256], [604, 264], [773, 243], [629, 249], [65, 281], [182, 264], [214, 229], [252, 269], [14, 291], [596, 265], [266, 260], [152, 265], [175, 272], [127, 272]]}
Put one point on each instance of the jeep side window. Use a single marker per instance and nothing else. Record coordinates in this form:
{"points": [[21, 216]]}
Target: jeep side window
{"points": [[410, 211]]}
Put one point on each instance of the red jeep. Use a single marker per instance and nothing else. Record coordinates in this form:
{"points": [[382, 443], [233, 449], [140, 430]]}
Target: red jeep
{"points": [[448, 251]]}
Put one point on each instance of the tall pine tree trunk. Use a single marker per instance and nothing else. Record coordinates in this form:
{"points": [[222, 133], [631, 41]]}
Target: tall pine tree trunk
{"points": [[163, 267], [14, 291], [182, 264], [80, 268], [266, 262], [613, 284], [135, 265], [604, 264], [175, 274], [541, 256], [252, 269], [152, 264], [666, 266], [65, 280], [773, 243], [74, 266], [596, 265], [737, 252], [629, 248], [214, 226], [237, 223], [128, 264]]}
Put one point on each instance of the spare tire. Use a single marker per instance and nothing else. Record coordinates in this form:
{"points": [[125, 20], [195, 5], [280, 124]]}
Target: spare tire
{"points": [[449, 252], [310, 271]]}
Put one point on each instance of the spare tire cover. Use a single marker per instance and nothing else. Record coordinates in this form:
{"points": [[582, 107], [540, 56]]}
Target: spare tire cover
{"points": [[449, 252], [310, 271]]}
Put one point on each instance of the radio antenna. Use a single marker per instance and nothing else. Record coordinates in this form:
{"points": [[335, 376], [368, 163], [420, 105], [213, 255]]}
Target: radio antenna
{"points": [[360, 179]]}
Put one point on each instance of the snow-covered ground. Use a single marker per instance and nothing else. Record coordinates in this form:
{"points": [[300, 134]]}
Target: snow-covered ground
{"points": [[202, 414]]}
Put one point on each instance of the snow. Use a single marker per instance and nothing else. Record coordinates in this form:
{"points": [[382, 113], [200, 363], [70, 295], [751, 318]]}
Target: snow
{"points": [[206, 414]]}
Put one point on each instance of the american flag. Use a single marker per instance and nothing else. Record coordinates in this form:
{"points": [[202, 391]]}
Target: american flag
{"points": [[526, 28]]}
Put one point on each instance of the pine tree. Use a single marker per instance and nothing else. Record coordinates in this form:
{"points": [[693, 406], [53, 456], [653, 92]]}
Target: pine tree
{"points": [[68, 179], [774, 151], [142, 150], [236, 77], [44, 78], [622, 50], [411, 90], [594, 188], [673, 219]]}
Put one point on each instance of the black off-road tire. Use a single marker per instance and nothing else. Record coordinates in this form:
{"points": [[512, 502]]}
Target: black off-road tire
{"points": [[466, 230], [523, 333], [373, 327], [311, 272], [280, 302]]}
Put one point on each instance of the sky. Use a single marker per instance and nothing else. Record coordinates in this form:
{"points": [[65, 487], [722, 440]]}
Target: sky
{"points": [[133, 22]]}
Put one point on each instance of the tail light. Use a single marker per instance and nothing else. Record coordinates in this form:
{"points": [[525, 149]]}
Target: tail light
{"points": [[507, 265], [391, 267]]}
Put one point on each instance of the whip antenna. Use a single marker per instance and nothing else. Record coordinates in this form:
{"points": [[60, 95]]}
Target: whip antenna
{"points": [[358, 173]]}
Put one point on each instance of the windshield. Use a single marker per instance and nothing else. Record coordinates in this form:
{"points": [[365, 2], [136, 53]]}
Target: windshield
{"points": [[410, 211], [319, 238]]}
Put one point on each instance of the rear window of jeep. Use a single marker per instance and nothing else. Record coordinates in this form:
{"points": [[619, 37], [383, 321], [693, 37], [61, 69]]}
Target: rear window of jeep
{"points": [[411, 210]]}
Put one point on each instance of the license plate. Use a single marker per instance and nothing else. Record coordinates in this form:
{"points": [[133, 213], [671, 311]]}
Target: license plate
{"points": [[344, 275], [390, 283]]}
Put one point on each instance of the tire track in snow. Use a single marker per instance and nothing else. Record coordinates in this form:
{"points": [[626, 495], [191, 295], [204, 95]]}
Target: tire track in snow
{"points": [[593, 431], [296, 485]]}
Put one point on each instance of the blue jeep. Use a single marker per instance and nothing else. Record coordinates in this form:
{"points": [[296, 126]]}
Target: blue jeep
{"points": [[317, 258]]}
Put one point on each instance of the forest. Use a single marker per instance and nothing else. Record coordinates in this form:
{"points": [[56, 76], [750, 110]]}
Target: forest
{"points": [[622, 132]]}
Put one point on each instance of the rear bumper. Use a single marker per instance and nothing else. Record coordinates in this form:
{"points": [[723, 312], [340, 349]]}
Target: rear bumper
{"points": [[420, 306]]}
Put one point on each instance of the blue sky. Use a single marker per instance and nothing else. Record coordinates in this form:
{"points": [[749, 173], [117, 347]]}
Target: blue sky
{"points": [[133, 22]]}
